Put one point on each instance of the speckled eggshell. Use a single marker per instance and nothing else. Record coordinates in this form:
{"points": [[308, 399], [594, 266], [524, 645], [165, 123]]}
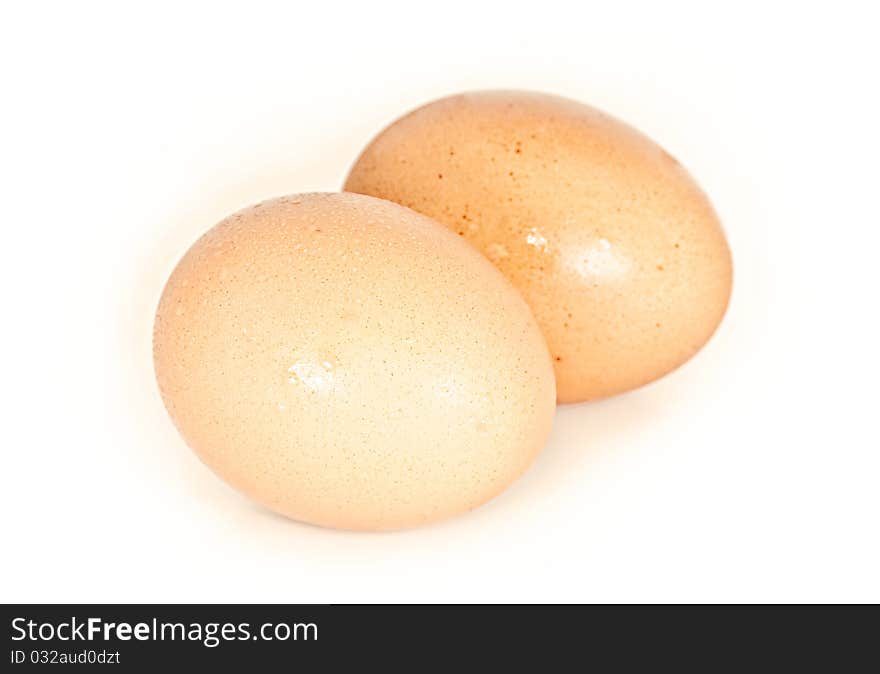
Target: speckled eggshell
{"points": [[613, 245], [350, 363]]}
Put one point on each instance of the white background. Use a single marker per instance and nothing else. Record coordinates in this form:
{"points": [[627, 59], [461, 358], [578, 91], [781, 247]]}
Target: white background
{"points": [[752, 474]]}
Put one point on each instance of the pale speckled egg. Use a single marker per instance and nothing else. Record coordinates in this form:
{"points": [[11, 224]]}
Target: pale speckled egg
{"points": [[350, 363], [613, 245]]}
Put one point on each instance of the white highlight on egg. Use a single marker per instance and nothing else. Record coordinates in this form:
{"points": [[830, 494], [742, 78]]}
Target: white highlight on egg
{"points": [[536, 239], [314, 374], [599, 260]]}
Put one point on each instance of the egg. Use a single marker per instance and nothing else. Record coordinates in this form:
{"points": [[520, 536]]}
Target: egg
{"points": [[350, 363], [616, 249]]}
